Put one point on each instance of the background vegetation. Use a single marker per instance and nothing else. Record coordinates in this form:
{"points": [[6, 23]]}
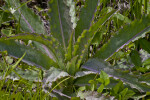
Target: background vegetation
{"points": [[75, 49]]}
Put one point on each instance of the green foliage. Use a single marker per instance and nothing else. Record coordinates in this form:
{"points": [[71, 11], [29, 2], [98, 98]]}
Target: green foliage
{"points": [[32, 57], [104, 79], [65, 52], [97, 65], [145, 45], [137, 62], [18, 84], [4, 16], [120, 92], [60, 21]]}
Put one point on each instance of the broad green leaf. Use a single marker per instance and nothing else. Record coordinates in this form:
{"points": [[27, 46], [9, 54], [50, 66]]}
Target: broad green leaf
{"points": [[145, 45], [82, 78], [33, 57], [124, 36], [86, 17], [38, 38], [100, 80], [93, 85], [135, 58], [100, 89], [105, 77], [60, 21], [118, 88], [29, 21], [97, 65], [123, 93], [87, 35]]}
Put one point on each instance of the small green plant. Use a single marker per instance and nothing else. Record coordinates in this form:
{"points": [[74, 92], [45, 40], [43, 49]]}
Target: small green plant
{"points": [[104, 80], [120, 92]]}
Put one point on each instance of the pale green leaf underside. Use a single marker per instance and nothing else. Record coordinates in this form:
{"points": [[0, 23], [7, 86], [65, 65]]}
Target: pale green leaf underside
{"points": [[30, 75], [33, 57], [97, 65], [52, 75], [123, 37], [29, 21], [60, 21], [92, 95]]}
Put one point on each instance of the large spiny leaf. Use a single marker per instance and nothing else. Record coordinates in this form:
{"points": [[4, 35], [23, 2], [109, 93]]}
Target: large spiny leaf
{"points": [[97, 65], [86, 17], [124, 36], [33, 57], [49, 44], [29, 21], [83, 42], [60, 21], [37, 38]]}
